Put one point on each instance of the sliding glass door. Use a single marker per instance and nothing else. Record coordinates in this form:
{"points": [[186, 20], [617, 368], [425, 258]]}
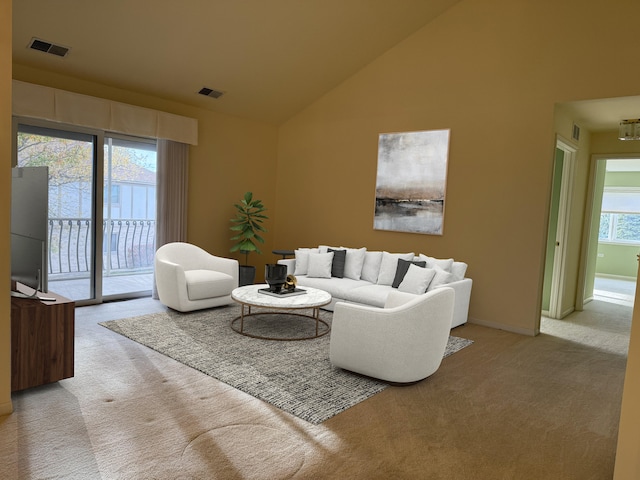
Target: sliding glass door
{"points": [[71, 158], [129, 216], [117, 218]]}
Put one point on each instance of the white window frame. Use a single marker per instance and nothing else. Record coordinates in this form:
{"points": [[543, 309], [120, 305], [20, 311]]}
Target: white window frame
{"points": [[614, 216]]}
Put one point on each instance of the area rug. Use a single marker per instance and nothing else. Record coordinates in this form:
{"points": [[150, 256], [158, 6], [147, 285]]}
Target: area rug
{"points": [[295, 376]]}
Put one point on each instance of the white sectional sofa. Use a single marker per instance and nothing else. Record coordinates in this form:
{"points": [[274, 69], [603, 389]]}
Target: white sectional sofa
{"points": [[356, 275]]}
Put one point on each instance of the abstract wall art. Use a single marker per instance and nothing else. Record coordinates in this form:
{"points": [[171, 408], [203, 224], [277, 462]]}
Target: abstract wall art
{"points": [[411, 181]]}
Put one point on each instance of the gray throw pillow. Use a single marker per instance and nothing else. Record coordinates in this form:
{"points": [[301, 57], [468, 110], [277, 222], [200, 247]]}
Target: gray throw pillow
{"points": [[339, 259], [401, 271]]}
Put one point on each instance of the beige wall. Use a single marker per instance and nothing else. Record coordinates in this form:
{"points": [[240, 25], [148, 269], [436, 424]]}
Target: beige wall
{"points": [[233, 155], [491, 71], [5, 192]]}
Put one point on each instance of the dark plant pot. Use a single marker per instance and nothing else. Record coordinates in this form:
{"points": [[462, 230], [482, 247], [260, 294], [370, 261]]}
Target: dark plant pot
{"points": [[275, 275], [247, 275]]}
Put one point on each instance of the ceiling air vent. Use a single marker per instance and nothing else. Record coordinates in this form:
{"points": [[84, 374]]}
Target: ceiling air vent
{"points": [[48, 47], [209, 92]]}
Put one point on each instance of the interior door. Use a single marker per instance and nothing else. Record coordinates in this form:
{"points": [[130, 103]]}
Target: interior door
{"points": [[562, 186]]}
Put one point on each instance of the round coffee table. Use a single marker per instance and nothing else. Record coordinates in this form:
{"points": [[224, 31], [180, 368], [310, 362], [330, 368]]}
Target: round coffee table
{"points": [[249, 296]]}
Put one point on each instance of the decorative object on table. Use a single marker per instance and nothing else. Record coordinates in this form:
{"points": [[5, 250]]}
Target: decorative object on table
{"points": [[276, 276], [291, 282], [411, 181], [248, 224], [296, 377], [283, 292]]}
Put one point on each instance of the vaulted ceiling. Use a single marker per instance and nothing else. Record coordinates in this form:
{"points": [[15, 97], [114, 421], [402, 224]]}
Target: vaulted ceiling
{"points": [[271, 58]]}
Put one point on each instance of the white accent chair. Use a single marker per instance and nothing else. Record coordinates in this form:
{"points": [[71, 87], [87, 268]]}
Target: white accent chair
{"points": [[189, 278], [404, 342]]}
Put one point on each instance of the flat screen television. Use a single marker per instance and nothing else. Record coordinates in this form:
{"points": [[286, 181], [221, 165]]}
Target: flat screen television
{"points": [[29, 228]]}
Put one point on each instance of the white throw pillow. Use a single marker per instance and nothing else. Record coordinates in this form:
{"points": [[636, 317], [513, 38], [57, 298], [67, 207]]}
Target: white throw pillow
{"points": [[325, 248], [389, 265], [302, 260], [444, 263], [354, 262], [371, 266], [320, 265], [440, 278], [458, 269], [417, 279]]}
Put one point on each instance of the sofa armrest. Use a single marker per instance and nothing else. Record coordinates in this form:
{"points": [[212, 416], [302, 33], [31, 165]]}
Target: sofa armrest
{"points": [[290, 263], [462, 289]]}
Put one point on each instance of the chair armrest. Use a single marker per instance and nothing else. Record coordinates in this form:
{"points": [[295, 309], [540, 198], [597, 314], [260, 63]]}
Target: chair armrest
{"points": [[171, 282], [230, 266]]}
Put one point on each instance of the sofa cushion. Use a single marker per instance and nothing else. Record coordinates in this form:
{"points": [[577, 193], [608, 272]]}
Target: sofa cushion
{"points": [[302, 260], [338, 288], [369, 294], [441, 277], [458, 270], [417, 279], [371, 266], [401, 270], [389, 265], [444, 263], [320, 265], [337, 264], [354, 263], [202, 284]]}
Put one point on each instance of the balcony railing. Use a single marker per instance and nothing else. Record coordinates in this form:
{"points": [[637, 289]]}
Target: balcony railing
{"points": [[128, 245]]}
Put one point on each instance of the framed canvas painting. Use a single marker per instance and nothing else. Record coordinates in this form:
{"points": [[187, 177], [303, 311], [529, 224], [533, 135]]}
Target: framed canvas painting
{"points": [[411, 181]]}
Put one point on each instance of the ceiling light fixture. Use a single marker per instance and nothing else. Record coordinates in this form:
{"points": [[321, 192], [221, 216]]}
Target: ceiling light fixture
{"points": [[629, 129]]}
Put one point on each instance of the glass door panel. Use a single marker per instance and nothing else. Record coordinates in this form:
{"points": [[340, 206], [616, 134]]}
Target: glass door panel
{"points": [[71, 157], [129, 216]]}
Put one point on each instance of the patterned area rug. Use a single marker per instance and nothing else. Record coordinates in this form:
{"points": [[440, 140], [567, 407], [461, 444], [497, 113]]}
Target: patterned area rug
{"points": [[295, 376]]}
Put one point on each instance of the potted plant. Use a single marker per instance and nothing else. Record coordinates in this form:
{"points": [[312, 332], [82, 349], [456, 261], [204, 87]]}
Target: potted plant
{"points": [[248, 225]]}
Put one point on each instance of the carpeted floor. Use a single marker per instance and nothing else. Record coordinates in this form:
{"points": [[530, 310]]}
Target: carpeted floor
{"points": [[510, 407], [295, 376]]}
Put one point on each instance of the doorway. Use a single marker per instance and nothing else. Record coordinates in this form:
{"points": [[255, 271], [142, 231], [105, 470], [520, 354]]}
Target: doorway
{"points": [[615, 230], [101, 199]]}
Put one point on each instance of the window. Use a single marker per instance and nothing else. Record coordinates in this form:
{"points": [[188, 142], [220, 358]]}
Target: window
{"points": [[620, 216]]}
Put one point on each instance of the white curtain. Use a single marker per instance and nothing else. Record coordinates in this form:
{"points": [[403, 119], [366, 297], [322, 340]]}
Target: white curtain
{"points": [[172, 178]]}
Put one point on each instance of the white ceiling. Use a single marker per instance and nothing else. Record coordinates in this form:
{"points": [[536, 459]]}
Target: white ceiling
{"points": [[272, 58]]}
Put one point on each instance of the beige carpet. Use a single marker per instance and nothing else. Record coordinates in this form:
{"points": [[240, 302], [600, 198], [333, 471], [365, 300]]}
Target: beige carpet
{"points": [[507, 407]]}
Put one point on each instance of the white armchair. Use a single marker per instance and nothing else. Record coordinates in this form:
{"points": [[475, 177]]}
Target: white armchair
{"points": [[404, 342], [189, 278]]}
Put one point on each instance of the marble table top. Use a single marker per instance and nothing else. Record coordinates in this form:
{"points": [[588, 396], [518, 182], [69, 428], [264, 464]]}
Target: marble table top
{"points": [[250, 295]]}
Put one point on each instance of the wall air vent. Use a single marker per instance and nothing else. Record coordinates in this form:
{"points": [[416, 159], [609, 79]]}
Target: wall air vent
{"points": [[48, 47], [209, 92], [575, 134]]}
